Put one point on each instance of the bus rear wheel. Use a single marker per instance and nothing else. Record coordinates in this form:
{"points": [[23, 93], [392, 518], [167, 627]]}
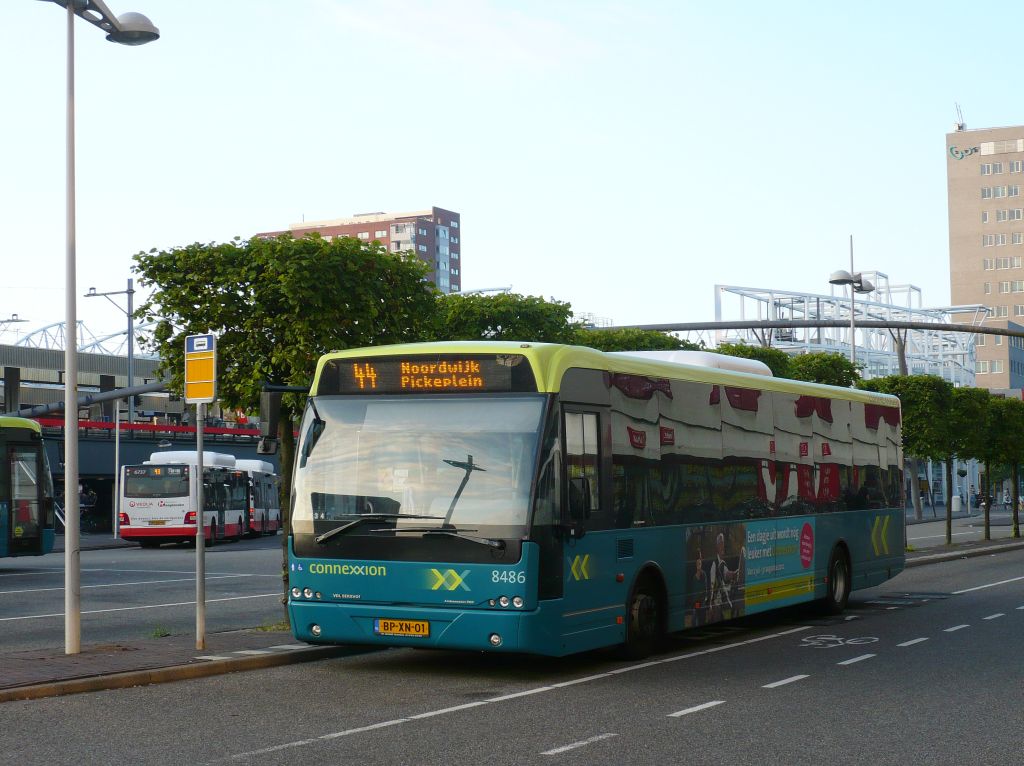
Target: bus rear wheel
{"points": [[838, 585], [643, 621]]}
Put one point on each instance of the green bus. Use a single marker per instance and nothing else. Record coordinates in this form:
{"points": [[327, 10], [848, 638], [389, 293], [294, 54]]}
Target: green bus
{"points": [[26, 490], [550, 499]]}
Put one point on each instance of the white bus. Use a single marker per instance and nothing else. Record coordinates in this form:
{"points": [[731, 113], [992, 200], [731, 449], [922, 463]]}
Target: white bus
{"points": [[264, 503], [159, 499]]}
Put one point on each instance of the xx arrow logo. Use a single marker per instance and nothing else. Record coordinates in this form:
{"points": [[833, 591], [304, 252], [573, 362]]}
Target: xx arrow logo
{"points": [[449, 579], [880, 535], [581, 567]]}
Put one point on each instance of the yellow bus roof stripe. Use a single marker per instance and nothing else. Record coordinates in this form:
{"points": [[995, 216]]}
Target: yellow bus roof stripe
{"points": [[12, 422], [550, 362]]}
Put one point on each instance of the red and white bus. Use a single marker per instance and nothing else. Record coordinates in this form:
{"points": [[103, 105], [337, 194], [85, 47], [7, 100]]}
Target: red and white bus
{"points": [[159, 499], [263, 503]]}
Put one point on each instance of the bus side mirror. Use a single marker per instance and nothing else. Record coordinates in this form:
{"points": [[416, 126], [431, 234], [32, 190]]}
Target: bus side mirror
{"points": [[270, 410]]}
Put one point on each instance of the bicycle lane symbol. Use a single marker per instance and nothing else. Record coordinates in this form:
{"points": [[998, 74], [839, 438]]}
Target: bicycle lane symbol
{"points": [[831, 642]]}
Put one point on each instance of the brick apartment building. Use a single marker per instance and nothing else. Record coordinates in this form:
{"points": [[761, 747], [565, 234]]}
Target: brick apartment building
{"points": [[985, 178], [433, 235]]}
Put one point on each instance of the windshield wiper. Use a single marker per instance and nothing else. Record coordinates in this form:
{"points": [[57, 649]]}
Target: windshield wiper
{"points": [[321, 539], [468, 466], [450, 531]]}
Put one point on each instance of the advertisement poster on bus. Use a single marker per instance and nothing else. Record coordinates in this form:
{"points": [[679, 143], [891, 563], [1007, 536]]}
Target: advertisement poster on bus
{"points": [[742, 568]]}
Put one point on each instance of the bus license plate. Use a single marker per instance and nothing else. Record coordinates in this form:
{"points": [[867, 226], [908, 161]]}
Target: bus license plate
{"points": [[416, 628], [157, 522]]}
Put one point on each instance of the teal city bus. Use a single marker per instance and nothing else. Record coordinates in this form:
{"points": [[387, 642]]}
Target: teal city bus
{"points": [[550, 499], [26, 490]]}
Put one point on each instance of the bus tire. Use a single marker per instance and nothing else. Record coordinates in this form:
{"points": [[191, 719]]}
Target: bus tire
{"points": [[837, 586], [645, 619]]}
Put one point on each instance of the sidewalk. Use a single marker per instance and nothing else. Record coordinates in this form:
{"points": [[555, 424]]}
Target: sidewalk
{"points": [[93, 541], [49, 672], [39, 673]]}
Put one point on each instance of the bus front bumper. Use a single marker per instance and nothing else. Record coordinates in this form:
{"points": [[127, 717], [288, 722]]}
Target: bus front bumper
{"points": [[474, 629]]}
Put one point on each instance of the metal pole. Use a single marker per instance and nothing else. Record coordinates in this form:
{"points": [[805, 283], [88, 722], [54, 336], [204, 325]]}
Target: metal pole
{"points": [[853, 292], [131, 354], [72, 552], [117, 469], [200, 536]]}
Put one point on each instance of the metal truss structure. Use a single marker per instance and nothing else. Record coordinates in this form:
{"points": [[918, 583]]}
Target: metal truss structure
{"points": [[949, 355], [116, 344]]}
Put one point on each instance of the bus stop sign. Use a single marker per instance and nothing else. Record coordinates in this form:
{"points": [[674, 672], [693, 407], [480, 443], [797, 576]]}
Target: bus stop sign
{"points": [[200, 368]]}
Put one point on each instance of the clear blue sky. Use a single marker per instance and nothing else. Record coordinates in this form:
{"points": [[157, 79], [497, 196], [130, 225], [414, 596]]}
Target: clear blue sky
{"points": [[622, 156]]}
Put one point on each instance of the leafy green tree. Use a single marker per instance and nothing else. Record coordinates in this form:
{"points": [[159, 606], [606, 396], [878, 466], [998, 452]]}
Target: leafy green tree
{"points": [[777, 361], [924, 399], [968, 416], [830, 368], [631, 339], [1002, 446], [276, 305], [506, 316]]}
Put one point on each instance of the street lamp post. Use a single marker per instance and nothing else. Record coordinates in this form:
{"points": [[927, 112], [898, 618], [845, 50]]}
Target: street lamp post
{"points": [[131, 337], [127, 29], [857, 284]]}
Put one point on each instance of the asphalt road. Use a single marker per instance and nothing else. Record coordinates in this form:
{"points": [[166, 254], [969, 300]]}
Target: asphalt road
{"points": [[133, 593], [921, 670]]}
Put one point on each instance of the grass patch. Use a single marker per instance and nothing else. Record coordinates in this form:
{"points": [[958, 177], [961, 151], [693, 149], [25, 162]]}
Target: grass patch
{"points": [[910, 549], [283, 625], [160, 632]]}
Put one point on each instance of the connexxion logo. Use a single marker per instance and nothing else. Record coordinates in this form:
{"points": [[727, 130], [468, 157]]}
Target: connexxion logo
{"points": [[959, 154], [358, 570]]}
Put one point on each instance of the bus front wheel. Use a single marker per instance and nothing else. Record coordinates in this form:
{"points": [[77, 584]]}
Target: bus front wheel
{"points": [[838, 585], [643, 621]]}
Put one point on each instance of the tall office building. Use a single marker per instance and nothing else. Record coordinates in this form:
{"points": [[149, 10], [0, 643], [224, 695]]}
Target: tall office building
{"points": [[984, 178], [433, 234]]}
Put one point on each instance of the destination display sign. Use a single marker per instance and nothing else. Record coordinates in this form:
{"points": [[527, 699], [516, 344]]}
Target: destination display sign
{"points": [[437, 373], [153, 471]]}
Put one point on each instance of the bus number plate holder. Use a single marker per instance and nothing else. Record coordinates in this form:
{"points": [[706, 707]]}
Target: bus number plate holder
{"points": [[414, 628]]}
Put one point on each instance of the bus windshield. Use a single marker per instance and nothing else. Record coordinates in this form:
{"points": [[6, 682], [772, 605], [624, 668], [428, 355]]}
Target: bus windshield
{"points": [[156, 481], [465, 462]]}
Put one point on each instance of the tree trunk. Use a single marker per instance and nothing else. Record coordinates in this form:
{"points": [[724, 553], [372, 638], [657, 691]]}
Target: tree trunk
{"points": [[915, 487], [949, 500], [987, 501], [1016, 499], [286, 435]]}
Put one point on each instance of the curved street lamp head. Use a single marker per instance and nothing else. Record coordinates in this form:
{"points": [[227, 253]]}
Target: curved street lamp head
{"points": [[133, 29], [863, 285], [842, 277]]}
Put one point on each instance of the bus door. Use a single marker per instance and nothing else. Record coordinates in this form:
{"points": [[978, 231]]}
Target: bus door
{"points": [[23, 507], [591, 601], [215, 501]]}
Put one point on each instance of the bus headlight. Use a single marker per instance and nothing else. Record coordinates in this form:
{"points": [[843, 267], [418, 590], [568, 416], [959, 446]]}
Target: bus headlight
{"points": [[296, 592], [315, 630], [503, 601], [517, 602], [308, 593], [495, 639]]}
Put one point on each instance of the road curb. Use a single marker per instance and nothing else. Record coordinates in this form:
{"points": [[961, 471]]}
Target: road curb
{"points": [[967, 553], [174, 673]]}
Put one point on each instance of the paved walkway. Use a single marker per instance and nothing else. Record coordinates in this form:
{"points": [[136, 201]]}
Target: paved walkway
{"points": [[50, 672]]}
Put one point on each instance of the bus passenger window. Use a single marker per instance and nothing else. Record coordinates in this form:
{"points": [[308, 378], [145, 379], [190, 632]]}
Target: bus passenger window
{"points": [[581, 447]]}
